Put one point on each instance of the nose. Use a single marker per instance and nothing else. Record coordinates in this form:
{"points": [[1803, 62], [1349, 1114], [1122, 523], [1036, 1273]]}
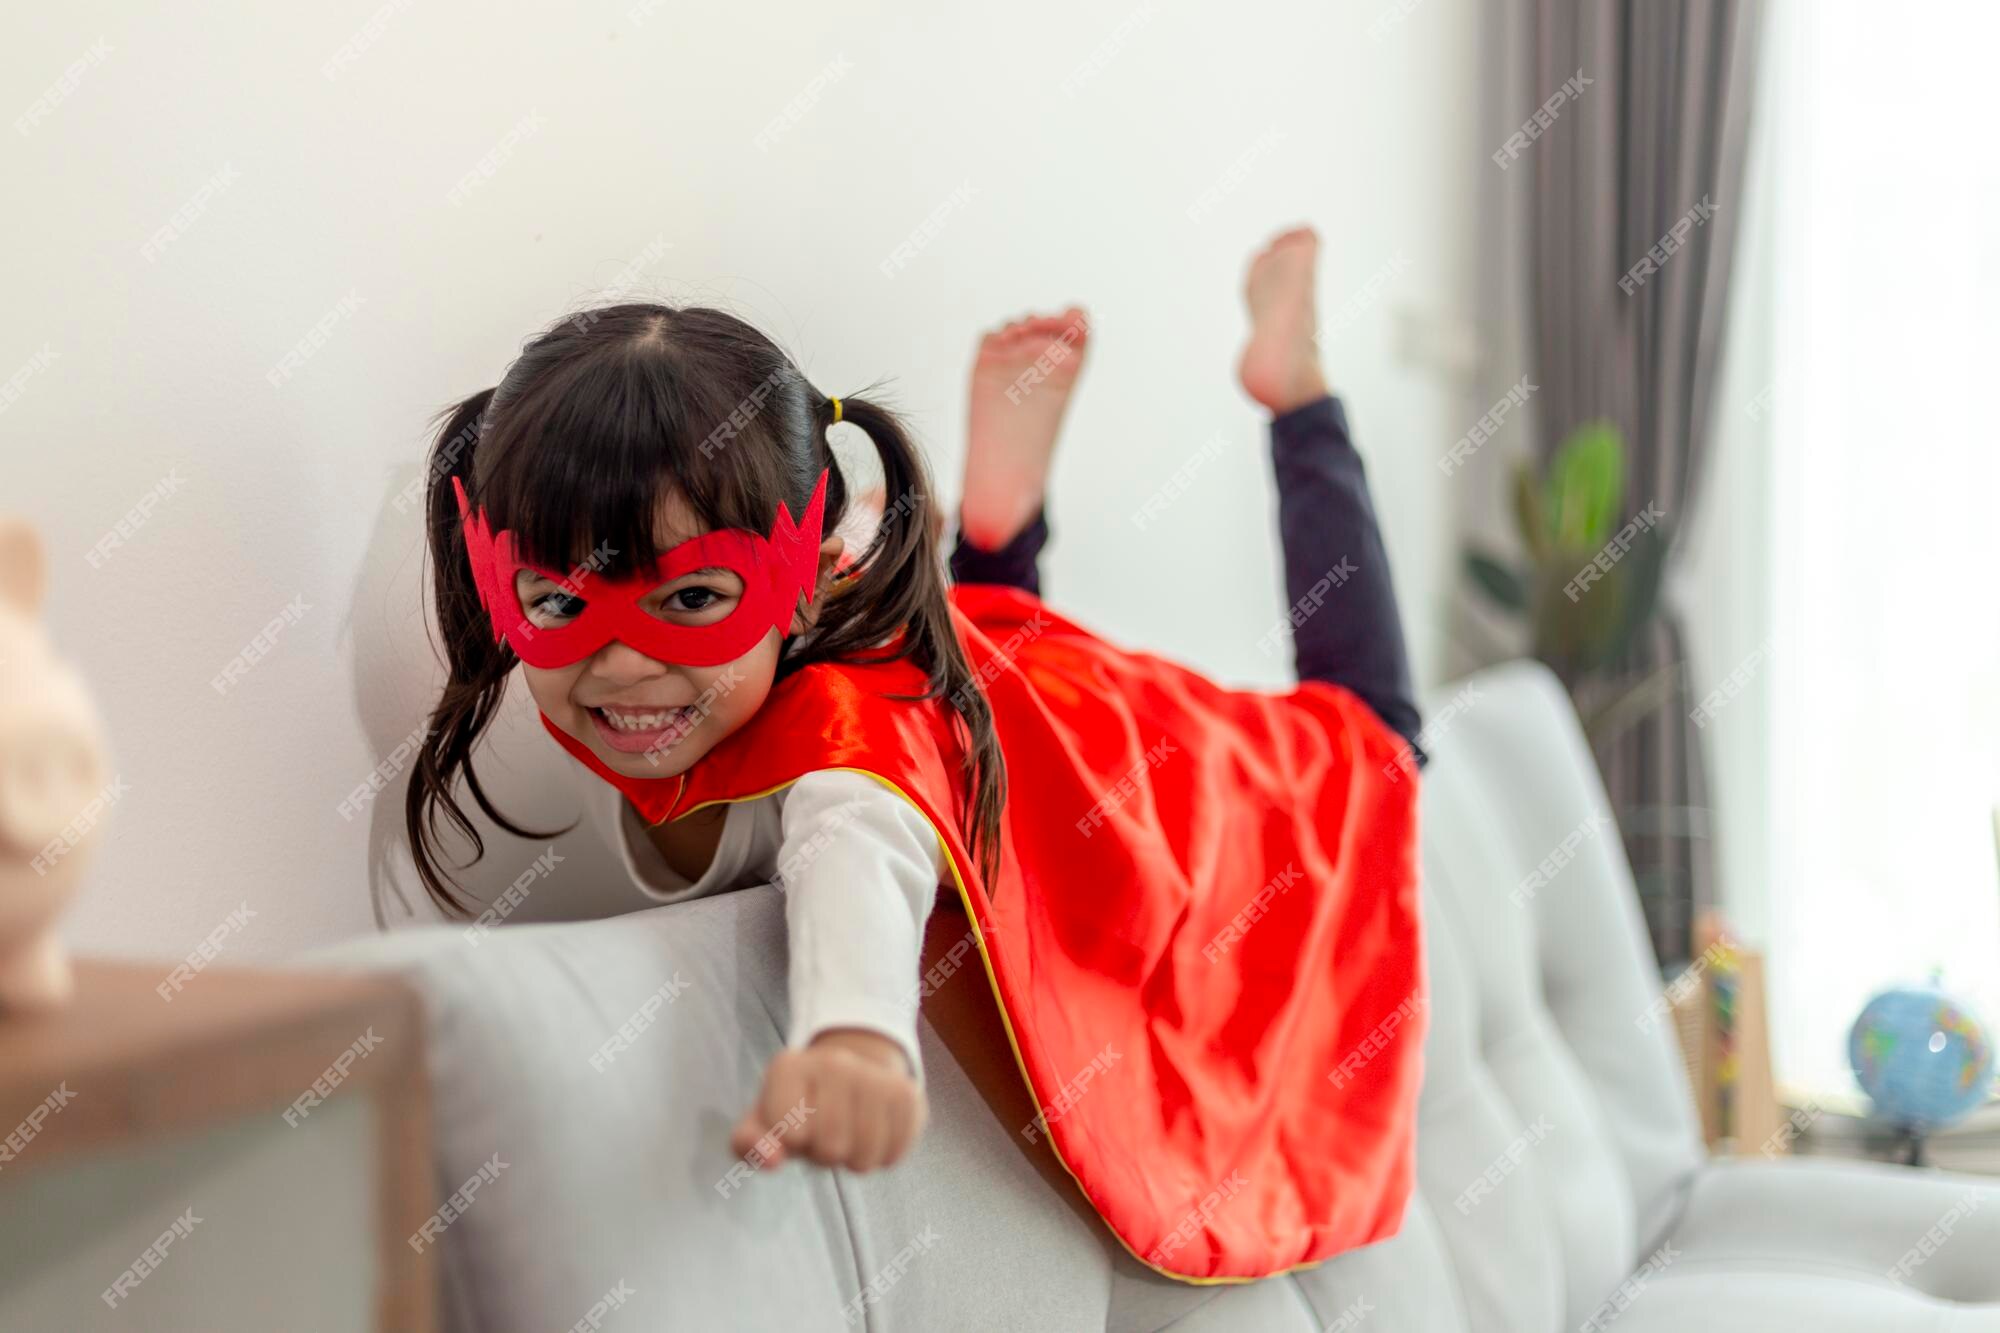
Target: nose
{"points": [[619, 663]]}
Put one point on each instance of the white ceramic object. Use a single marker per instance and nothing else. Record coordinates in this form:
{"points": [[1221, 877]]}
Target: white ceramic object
{"points": [[55, 781]]}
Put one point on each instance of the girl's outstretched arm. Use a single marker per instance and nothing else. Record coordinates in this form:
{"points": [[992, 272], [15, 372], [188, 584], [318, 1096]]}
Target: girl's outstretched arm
{"points": [[860, 868]]}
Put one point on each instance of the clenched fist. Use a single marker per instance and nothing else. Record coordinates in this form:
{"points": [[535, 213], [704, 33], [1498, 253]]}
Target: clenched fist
{"points": [[848, 1099]]}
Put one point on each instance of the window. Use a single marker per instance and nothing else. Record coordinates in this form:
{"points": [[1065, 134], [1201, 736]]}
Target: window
{"points": [[1876, 243]]}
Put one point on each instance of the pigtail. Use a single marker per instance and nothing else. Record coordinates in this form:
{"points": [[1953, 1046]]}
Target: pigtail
{"points": [[896, 593], [478, 668]]}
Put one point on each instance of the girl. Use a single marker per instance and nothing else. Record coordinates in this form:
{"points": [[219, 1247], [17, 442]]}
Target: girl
{"points": [[643, 516]]}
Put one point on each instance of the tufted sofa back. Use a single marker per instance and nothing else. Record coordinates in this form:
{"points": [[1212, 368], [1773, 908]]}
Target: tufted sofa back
{"points": [[1557, 1134], [1555, 1143]]}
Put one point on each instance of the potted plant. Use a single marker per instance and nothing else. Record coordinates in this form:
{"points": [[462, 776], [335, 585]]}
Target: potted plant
{"points": [[1589, 583]]}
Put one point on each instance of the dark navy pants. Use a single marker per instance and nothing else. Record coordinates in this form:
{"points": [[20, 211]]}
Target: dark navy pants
{"points": [[1345, 626]]}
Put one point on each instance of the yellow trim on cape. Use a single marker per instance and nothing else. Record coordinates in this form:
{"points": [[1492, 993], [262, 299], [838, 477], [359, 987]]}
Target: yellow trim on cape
{"points": [[1006, 1022]]}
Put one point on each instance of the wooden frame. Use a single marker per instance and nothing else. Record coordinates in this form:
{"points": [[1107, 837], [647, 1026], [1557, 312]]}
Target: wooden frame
{"points": [[1748, 1119], [232, 1043]]}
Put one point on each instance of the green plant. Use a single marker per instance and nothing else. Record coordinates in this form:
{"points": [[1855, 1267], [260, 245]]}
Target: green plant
{"points": [[1582, 595]]}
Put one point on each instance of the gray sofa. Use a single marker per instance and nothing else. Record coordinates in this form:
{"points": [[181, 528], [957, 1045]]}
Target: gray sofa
{"points": [[1562, 1183]]}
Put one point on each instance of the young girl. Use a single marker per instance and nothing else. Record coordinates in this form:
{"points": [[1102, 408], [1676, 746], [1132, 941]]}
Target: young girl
{"points": [[1205, 897]]}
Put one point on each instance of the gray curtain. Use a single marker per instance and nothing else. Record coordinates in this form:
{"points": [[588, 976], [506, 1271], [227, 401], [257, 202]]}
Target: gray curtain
{"points": [[1657, 137]]}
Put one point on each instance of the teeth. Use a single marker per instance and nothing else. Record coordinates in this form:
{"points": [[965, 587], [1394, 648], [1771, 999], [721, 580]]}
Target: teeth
{"points": [[640, 721]]}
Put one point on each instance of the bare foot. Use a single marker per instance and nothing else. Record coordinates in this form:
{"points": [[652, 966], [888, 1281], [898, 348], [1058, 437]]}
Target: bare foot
{"points": [[1021, 381], [1280, 364]]}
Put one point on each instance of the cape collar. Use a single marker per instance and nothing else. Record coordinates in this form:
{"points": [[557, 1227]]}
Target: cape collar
{"points": [[654, 798]]}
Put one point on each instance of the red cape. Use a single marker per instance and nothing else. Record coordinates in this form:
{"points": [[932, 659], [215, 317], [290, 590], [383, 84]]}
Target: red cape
{"points": [[1203, 937]]}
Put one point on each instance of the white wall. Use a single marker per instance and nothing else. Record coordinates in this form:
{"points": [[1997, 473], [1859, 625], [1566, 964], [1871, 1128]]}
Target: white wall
{"points": [[338, 207]]}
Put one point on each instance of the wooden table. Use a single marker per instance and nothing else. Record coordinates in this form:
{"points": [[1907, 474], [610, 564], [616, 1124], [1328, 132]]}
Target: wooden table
{"points": [[251, 1150]]}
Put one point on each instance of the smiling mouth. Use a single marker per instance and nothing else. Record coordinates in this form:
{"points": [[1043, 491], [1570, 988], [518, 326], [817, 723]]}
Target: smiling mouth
{"points": [[636, 731]]}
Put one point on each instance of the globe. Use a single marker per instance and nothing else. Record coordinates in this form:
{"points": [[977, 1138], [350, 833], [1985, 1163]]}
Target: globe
{"points": [[1922, 1057]]}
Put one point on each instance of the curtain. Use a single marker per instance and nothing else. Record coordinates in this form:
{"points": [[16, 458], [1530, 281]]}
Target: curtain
{"points": [[1633, 215]]}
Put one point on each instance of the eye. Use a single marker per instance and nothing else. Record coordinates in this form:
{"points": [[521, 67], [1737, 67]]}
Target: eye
{"points": [[554, 607], [546, 604], [700, 603]]}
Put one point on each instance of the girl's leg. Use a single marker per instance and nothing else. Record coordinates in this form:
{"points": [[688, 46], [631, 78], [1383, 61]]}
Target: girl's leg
{"points": [[1021, 383], [1345, 626], [1015, 565]]}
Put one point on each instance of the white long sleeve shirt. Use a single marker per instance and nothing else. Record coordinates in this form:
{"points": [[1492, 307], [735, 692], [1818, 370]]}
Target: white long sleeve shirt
{"points": [[859, 867]]}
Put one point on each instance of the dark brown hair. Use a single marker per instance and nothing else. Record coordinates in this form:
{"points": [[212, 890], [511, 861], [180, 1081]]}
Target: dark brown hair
{"points": [[602, 415]]}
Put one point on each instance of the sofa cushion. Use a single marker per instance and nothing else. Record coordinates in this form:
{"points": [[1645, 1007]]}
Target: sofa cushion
{"points": [[1557, 1144], [1822, 1244], [618, 1169]]}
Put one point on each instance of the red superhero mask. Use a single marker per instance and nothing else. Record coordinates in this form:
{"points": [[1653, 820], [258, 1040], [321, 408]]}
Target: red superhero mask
{"points": [[776, 571]]}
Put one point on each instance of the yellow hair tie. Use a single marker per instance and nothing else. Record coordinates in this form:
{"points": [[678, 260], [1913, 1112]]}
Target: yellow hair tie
{"points": [[836, 409]]}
